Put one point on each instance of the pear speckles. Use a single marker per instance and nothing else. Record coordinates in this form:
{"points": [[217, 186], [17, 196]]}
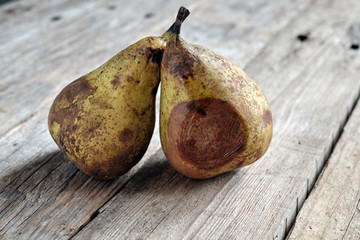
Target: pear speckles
{"points": [[267, 117], [126, 135], [97, 120], [115, 82]]}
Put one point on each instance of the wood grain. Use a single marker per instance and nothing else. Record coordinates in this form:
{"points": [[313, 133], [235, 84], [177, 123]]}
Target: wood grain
{"points": [[332, 210], [42, 195]]}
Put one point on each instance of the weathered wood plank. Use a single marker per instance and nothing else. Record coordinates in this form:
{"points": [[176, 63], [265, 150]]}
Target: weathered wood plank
{"points": [[332, 210], [42, 195], [312, 86]]}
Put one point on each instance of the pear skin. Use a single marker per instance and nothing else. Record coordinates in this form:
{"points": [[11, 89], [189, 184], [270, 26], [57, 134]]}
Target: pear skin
{"points": [[214, 118], [104, 120]]}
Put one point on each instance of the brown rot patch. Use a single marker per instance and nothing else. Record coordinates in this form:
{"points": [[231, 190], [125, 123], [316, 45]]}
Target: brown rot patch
{"points": [[267, 117], [79, 89], [65, 117], [208, 132], [66, 107], [126, 135], [56, 115], [115, 82], [182, 69], [154, 54]]}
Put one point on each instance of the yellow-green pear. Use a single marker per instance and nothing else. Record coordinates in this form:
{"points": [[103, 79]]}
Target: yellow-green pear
{"points": [[214, 118], [104, 120]]}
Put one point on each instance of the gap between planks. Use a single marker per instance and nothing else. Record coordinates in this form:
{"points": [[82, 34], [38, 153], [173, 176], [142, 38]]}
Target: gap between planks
{"points": [[326, 161], [327, 214]]}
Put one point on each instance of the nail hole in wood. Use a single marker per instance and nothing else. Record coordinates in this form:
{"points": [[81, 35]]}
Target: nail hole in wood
{"points": [[149, 15], [354, 46], [55, 18], [302, 37]]}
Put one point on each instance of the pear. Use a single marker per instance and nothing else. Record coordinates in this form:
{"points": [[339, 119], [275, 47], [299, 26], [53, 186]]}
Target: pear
{"points": [[104, 120], [214, 118]]}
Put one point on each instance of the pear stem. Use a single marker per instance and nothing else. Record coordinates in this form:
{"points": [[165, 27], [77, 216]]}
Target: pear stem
{"points": [[181, 16]]}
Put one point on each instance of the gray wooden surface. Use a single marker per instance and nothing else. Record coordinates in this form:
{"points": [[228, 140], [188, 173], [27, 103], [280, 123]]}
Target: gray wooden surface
{"points": [[332, 210], [299, 52]]}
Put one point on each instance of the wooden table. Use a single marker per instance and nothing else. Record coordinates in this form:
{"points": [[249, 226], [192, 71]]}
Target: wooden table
{"points": [[305, 56]]}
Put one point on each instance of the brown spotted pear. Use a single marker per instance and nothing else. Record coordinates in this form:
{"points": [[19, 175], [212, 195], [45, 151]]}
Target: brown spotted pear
{"points": [[213, 117], [104, 120]]}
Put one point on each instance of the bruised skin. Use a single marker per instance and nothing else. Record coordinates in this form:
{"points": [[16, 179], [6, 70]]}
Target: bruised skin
{"points": [[104, 120]]}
